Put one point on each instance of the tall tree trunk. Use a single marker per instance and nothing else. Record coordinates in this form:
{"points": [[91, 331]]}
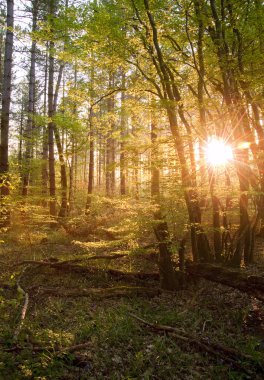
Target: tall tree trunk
{"points": [[71, 178], [91, 144], [2, 46], [45, 147], [122, 143], [167, 274], [110, 145], [52, 179], [5, 115], [216, 216], [73, 152], [31, 106], [63, 170], [21, 130], [135, 159], [91, 163]]}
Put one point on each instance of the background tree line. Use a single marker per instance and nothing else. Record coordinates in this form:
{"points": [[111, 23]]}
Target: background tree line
{"points": [[120, 98]]}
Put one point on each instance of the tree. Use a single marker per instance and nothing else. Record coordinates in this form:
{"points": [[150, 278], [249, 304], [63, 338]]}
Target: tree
{"points": [[31, 103], [5, 114]]}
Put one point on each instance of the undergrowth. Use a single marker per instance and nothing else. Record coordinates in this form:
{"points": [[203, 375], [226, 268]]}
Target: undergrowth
{"points": [[118, 346]]}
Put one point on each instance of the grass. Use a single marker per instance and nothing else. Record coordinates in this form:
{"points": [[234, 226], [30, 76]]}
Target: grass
{"points": [[119, 346]]}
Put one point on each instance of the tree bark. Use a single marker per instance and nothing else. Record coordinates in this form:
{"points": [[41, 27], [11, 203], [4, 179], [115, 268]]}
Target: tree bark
{"points": [[168, 279], [31, 105], [52, 179], [91, 163], [45, 147], [91, 145], [122, 143], [5, 115], [110, 145], [63, 170]]}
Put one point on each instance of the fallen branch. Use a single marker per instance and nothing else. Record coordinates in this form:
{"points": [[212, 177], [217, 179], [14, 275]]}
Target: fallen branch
{"points": [[96, 257], [24, 308], [74, 348], [253, 285], [68, 267], [229, 355], [121, 291]]}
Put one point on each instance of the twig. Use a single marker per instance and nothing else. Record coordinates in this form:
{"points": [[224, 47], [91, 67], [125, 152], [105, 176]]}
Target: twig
{"points": [[205, 323]]}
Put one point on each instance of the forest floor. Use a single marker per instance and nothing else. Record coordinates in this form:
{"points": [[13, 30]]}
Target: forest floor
{"points": [[98, 310]]}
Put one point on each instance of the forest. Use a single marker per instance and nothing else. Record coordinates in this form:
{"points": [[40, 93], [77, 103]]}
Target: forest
{"points": [[131, 189]]}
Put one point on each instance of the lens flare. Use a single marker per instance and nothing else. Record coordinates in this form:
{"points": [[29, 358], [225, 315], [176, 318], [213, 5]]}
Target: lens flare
{"points": [[217, 152]]}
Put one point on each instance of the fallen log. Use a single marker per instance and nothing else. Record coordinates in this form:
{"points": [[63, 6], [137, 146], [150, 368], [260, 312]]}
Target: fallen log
{"points": [[253, 285], [69, 267]]}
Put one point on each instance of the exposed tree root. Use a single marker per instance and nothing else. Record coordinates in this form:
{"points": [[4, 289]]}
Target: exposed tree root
{"points": [[253, 285], [121, 291], [229, 355]]}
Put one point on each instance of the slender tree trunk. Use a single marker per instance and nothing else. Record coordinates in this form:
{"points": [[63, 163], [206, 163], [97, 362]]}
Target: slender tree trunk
{"points": [[73, 153], [110, 147], [21, 130], [45, 147], [167, 273], [135, 175], [91, 145], [1, 59], [100, 162], [122, 143], [31, 106], [52, 179], [216, 217], [5, 115], [71, 178], [63, 169], [91, 164]]}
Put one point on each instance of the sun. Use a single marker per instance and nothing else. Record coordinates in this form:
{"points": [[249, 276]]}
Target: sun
{"points": [[217, 152]]}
